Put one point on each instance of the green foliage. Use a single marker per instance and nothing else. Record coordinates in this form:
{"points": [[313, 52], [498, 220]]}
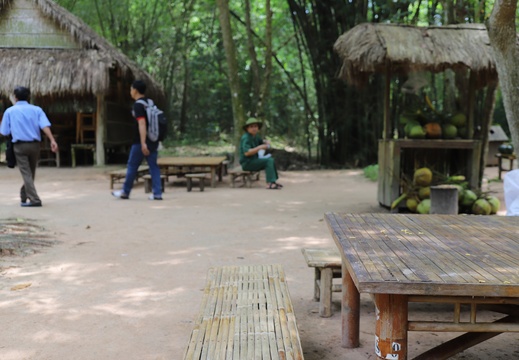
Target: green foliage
{"points": [[371, 172], [180, 44]]}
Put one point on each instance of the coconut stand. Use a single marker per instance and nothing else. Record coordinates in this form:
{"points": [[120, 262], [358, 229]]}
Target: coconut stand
{"points": [[459, 55]]}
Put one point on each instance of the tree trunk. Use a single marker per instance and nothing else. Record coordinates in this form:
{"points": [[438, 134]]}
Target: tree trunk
{"points": [[232, 64], [503, 39]]}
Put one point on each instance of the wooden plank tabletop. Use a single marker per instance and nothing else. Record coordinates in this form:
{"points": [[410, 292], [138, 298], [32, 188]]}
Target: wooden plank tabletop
{"points": [[191, 161], [458, 255]]}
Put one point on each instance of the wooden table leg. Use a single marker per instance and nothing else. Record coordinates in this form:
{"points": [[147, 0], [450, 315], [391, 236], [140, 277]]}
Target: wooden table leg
{"points": [[213, 176], [391, 326], [350, 311]]}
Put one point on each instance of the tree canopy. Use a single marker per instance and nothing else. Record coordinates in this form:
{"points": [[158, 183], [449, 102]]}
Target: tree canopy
{"points": [[283, 67]]}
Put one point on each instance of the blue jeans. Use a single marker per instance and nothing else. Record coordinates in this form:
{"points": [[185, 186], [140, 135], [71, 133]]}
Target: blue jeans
{"points": [[134, 161]]}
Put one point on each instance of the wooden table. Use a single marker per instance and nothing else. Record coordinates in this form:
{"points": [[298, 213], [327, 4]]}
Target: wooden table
{"points": [[453, 259], [187, 164]]}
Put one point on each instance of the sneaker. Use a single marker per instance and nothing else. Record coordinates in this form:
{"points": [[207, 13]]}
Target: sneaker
{"points": [[120, 194], [153, 197]]}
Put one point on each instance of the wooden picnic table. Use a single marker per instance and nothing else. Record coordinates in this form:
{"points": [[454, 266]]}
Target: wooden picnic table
{"points": [[190, 164], [454, 259]]}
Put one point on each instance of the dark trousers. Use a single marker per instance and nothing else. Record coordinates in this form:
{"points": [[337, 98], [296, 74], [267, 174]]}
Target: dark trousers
{"points": [[27, 156], [259, 164]]}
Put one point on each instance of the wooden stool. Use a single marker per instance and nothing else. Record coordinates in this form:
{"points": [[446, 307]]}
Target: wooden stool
{"points": [[247, 176], [444, 199], [500, 158], [147, 182], [189, 180], [328, 265], [90, 147]]}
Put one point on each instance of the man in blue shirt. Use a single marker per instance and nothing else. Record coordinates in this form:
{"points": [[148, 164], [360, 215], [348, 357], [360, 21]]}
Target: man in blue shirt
{"points": [[24, 122]]}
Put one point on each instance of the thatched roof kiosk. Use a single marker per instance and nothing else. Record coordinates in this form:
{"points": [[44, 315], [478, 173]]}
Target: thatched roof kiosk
{"points": [[63, 61], [400, 50]]}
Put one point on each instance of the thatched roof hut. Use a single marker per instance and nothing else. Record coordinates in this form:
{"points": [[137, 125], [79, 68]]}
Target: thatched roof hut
{"points": [[369, 48], [76, 67], [54, 53], [404, 52]]}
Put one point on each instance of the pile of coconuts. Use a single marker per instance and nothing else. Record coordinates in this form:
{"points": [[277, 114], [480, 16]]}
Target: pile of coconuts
{"points": [[417, 196], [428, 123]]}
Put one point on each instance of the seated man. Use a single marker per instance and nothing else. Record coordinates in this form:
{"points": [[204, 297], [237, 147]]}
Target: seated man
{"points": [[250, 145]]}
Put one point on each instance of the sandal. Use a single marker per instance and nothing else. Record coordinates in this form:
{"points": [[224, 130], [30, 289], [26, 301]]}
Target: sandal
{"points": [[273, 186], [279, 185]]}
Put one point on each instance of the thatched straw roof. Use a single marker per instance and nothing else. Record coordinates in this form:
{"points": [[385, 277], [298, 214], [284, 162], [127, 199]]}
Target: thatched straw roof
{"points": [[369, 48], [60, 72]]}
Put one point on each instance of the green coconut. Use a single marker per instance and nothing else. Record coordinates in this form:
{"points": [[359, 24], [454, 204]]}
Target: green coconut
{"points": [[424, 207], [495, 204], [417, 132], [412, 203], [424, 192], [410, 124], [481, 207], [468, 198], [463, 132], [422, 177], [458, 120], [449, 131], [460, 191]]}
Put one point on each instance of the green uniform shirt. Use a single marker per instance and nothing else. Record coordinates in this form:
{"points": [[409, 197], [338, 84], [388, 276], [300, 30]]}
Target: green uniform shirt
{"points": [[248, 142]]}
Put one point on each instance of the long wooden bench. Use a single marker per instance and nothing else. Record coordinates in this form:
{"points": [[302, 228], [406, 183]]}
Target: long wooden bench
{"points": [[246, 313], [327, 264], [247, 176], [120, 174]]}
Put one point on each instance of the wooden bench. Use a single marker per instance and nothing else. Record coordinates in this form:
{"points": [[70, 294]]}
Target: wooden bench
{"points": [[247, 176], [327, 264], [120, 174], [246, 313], [201, 179], [147, 182]]}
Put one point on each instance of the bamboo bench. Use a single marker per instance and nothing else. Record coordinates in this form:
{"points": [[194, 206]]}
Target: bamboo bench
{"points": [[246, 313], [247, 176], [327, 264], [117, 175]]}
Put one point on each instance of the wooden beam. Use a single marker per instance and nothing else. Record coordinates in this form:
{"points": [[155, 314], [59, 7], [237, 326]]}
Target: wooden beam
{"points": [[463, 342], [100, 130]]}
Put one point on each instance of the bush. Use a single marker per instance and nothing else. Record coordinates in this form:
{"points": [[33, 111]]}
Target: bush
{"points": [[371, 172]]}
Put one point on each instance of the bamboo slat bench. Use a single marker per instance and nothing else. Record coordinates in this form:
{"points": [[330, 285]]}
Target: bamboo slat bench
{"points": [[327, 264], [246, 313], [247, 176], [120, 174]]}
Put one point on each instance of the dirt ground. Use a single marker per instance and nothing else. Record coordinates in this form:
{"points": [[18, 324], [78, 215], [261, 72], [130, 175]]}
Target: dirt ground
{"points": [[125, 278]]}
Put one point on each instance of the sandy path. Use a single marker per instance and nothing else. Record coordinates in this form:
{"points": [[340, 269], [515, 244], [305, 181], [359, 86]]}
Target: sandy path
{"points": [[125, 280]]}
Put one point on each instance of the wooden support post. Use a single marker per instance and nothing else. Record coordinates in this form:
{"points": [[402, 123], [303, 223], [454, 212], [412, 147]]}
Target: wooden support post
{"points": [[391, 326], [444, 199], [350, 311], [100, 130], [325, 305], [317, 278]]}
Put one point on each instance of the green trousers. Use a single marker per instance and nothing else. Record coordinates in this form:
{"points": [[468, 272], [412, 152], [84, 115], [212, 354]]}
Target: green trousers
{"points": [[262, 164]]}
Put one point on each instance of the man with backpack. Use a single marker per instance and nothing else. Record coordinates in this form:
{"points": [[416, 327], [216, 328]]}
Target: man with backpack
{"points": [[143, 146]]}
